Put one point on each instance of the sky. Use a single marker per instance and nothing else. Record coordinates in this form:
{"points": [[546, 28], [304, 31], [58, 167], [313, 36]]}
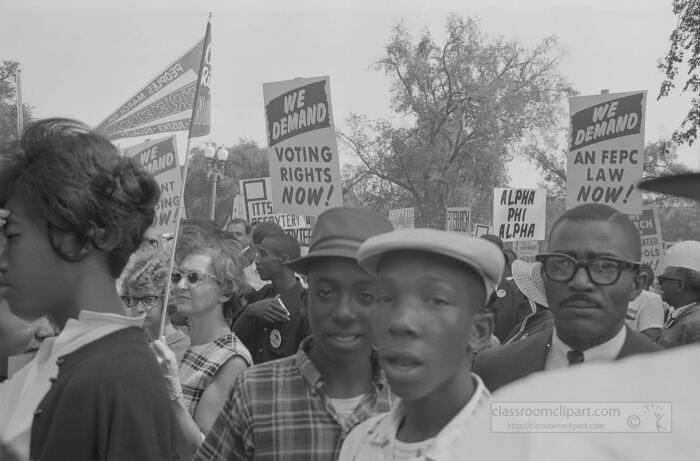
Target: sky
{"points": [[83, 59]]}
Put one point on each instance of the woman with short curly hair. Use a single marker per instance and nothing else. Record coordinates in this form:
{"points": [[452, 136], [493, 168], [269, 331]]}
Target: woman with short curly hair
{"points": [[143, 286], [75, 210]]}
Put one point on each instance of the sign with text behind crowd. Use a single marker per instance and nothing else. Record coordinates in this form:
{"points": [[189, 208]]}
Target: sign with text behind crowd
{"points": [[159, 157], [402, 218], [303, 152], [519, 214], [649, 227], [481, 229], [606, 150], [258, 206], [526, 250], [459, 220]]}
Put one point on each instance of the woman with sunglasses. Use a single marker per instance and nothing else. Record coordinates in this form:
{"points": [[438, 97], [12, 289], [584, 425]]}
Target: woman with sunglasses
{"points": [[143, 292], [208, 283], [75, 210]]}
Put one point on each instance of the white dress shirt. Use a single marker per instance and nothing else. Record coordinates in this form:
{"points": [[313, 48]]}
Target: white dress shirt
{"points": [[609, 350]]}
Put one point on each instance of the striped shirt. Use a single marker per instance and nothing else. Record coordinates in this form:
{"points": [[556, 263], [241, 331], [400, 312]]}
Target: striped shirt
{"points": [[279, 411], [202, 362]]}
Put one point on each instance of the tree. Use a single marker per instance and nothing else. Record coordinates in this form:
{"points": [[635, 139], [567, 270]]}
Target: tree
{"points": [[8, 102], [685, 38], [246, 160], [464, 105]]}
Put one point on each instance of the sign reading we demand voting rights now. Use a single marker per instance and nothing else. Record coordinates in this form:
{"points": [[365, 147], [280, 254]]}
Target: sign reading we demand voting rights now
{"points": [[304, 166], [606, 150]]}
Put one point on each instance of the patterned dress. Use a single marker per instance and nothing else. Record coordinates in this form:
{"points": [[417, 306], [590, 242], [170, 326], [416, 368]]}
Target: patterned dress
{"points": [[201, 363]]}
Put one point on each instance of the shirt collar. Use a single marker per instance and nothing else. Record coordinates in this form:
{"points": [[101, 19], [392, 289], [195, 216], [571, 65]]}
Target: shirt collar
{"points": [[607, 351], [385, 429], [679, 310], [313, 377]]}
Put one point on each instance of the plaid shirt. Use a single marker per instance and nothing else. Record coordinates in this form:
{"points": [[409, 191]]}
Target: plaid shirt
{"points": [[279, 411], [202, 362]]}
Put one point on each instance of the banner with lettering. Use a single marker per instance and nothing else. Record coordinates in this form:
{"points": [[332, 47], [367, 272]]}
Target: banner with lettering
{"points": [[459, 220], [159, 157], [303, 153], [402, 218], [606, 150], [163, 105], [649, 227], [519, 214], [258, 207]]}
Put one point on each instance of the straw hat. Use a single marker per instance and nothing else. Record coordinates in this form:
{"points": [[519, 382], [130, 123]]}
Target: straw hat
{"points": [[681, 185], [528, 277]]}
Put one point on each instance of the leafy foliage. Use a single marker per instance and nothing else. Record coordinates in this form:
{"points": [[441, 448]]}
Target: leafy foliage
{"points": [[685, 48], [8, 102], [464, 105], [246, 160]]}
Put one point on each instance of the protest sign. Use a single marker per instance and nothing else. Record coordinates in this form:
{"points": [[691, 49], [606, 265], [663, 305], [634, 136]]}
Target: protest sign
{"points": [[304, 165], [526, 250], [238, 210], [459, 219], [606, 150], [481, 229], [649, 227], [163, 105], [258, 207], [159, 157], [519, 214], [402, 218]]}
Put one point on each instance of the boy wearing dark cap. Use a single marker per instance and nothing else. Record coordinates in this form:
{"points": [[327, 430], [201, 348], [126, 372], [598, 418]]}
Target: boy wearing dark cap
{"points": [[430, 314], [302, 407]]}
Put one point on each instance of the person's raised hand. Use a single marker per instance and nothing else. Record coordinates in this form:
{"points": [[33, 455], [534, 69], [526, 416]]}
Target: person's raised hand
{"points": [[268, 309], [168, 366]]}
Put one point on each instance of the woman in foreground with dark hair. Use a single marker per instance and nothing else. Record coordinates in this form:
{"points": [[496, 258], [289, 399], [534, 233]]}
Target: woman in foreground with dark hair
{"points": [[75, 210]]}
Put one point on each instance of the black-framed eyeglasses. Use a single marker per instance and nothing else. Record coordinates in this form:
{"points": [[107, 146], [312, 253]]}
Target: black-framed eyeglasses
{"points": [[147, 301], [602, 270], [663, 278], [192, 277]]}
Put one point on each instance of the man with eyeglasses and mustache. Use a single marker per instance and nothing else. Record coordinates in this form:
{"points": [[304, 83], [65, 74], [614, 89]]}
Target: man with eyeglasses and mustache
{"points": [[680, 288], [591, 272]]}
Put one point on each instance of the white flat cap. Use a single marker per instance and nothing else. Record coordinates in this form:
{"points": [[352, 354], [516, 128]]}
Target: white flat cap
{"points": [[684, 254], [481, 255]]}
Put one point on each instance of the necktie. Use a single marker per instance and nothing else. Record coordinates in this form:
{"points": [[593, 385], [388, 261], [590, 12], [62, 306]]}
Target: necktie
{"points": [[574, 357]]}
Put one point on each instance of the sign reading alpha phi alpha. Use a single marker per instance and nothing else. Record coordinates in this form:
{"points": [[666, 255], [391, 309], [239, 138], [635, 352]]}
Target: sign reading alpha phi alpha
{"points": [[519, 214]]}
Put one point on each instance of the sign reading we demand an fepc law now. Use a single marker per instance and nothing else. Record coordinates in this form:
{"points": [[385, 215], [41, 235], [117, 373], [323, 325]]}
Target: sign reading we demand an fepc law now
{"points": [[606, 150], [303, 153]]}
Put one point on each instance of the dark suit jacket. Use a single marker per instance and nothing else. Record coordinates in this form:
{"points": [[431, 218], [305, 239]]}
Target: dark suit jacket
{"points": [[501, 365], [684, 329]]}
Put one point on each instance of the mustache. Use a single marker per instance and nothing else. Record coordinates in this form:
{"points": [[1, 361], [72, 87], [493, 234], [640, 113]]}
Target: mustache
{"points": [[579, 297]]}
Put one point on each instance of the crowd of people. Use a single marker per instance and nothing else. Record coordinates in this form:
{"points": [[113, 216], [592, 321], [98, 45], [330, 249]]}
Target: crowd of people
{"points": [[373, 344]]}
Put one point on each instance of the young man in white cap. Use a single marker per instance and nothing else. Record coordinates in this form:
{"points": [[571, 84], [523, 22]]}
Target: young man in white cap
{"points": [[680, 286], [429, 315]]}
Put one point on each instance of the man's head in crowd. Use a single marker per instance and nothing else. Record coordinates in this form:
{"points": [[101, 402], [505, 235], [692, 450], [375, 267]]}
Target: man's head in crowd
{"points": [[430, 312], [591, 271], [680, 281], [340, 297], [241, 230], [263, 229], [273, 252]]}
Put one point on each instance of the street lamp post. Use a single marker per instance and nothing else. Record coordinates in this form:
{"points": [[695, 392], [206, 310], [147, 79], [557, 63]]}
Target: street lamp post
{"points": [[216, 161]]}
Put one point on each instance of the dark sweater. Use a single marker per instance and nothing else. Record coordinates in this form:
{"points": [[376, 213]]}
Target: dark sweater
{"points": [[108, 402]]}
